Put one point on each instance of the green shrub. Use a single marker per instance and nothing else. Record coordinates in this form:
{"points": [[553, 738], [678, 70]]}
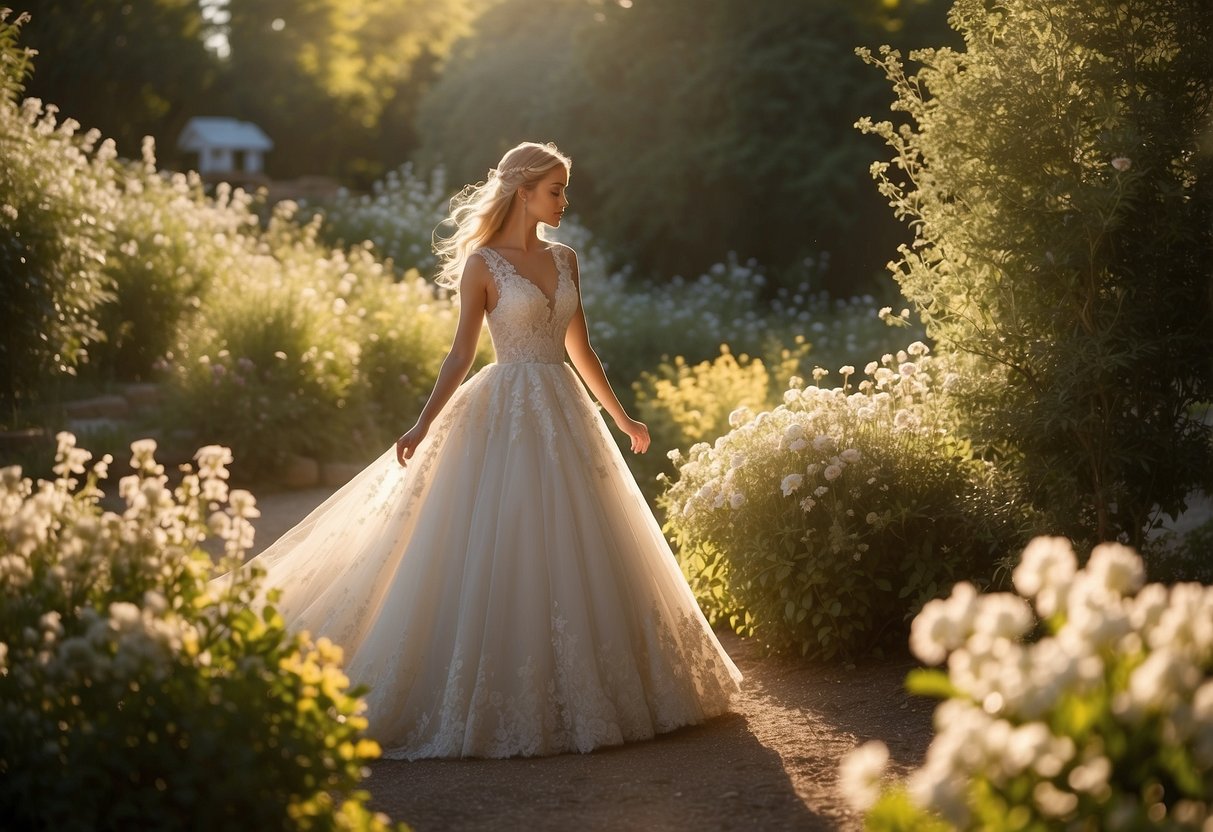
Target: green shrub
{"points": [[399, 216], [301, 349], [820, 526], [54, 228], [1105, 722], [1061, 206], [135, 694], [169, 245]]}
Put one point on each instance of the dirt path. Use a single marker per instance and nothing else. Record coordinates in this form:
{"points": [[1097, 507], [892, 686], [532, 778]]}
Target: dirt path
{"points": [[770, 766]]}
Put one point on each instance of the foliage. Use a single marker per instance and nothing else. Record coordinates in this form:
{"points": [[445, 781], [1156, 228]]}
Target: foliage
{"points": [[300, 349], [1063, 225], [133, 691], [399, 216], [695, 130], [52, 236], [686, 404], [821, 525], [635, 324], [157, 72], [1103, 722], [335, 83]]}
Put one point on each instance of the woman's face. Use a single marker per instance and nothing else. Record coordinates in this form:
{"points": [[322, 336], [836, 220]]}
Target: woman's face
{"points": [[548, 199]]}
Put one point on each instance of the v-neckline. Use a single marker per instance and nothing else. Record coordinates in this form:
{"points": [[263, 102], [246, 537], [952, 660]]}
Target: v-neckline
{"points": [[551, 299]]}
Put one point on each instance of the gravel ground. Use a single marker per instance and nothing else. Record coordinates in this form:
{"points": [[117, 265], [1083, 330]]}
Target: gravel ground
{"points": [[771, 765]]}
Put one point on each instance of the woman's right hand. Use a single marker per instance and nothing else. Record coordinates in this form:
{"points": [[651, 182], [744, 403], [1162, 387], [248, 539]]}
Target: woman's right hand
{"points": [[407, 444]]}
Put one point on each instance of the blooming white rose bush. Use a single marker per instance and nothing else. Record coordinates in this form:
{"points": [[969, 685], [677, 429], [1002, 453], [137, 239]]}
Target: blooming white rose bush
{"points": [[819, 526], [134, 693], [1082, 701]]}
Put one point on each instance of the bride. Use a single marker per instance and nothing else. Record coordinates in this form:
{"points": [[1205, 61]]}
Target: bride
{"points": [[497, 579]]}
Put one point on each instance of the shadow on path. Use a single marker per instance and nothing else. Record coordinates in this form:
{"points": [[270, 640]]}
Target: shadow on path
{"points": [[715, 776]]}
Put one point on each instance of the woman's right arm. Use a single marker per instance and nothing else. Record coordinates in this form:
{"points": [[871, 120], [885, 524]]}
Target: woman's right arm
{"points": [[473, 298]]}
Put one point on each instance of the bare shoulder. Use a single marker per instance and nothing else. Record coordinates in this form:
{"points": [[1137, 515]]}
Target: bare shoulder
{"points": [[475, 278]]}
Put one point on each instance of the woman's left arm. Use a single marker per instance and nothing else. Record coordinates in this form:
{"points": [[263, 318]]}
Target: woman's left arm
{"points": [[589, 367]]}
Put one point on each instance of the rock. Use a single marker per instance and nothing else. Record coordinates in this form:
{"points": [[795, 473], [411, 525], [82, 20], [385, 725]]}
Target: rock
{"points": [[98, 407], [337, 474], [141, 396], [299, 472], [84, 429]]}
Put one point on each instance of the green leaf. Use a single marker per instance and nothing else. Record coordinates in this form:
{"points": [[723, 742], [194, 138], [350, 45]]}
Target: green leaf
{"points": [[929, 682]]}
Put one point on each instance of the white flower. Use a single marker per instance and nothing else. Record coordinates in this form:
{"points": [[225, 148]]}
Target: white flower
{"points": [[832, 472], [740, 416], [907, 369], [791, 483], [124, 615], [1003, 615], [823, 443], [212, 461], [1122, 163], [807, 504], [1164, 678], [675, 456], [736, 499], [850, 456], [1045, 572], [870, 368], [243, 504], [846, 370], [943, 625], [737, 460], [918, 348], [1052, 801], [860, 774], [1116, 568], [872, 519], [797, 445]]}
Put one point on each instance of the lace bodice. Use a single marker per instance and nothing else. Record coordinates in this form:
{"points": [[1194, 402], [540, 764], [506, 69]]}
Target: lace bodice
{"points": [[527, 326]]}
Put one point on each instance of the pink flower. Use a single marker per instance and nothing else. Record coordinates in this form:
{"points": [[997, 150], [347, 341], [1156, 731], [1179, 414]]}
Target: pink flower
{"points": [[1122, 163]]}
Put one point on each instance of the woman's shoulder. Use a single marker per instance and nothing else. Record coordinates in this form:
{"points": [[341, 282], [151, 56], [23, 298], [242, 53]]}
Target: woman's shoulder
{"points": [[561, 250]]}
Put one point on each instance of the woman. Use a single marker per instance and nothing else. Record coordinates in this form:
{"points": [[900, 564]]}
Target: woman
{"points": [[504, 589]]}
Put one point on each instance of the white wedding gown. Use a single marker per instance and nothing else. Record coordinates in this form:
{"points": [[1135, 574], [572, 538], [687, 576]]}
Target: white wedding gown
{"points": [[509, 592]]}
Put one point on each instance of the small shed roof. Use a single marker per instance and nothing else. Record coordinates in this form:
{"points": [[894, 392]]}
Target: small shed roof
{"points": [[213, 131]]}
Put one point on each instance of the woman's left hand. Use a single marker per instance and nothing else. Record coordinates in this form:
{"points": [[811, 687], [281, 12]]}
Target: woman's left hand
{"points": [[638, 432]]}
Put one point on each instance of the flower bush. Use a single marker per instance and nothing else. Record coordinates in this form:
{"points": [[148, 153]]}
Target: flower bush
{"points": [[53, 232], [821, 525], [634, 324], [399, 216], [1105, 721], [136, 694]]}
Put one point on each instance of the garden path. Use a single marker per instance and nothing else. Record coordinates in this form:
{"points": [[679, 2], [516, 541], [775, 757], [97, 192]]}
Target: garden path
{"points": [[770, 766]]}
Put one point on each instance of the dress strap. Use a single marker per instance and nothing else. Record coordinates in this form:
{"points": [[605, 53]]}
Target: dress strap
{"points": [[498, 265], [561, 255]]}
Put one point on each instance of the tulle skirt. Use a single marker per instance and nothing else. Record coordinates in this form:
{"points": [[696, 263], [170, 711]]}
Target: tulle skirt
{"points": [[508, 592]]}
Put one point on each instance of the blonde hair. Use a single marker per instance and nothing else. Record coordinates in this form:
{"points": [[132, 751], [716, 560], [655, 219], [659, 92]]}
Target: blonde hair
{"points": [[478, 211]]}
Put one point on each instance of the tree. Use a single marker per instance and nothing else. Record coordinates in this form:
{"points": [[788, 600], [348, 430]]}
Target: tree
{"points": [[130, 68], [1063, 249], [334, 82], [695, 129]]}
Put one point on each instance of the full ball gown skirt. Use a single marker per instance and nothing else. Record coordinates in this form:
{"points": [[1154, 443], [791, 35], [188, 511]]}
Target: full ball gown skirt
{"points": [[508, 592]]}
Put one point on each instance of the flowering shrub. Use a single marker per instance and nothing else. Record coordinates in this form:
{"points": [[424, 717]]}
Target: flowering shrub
{"points": [[633, 324], [298, 348], [1103, 722], [686, 404], [399, 216], [52, 237], [133, 693], [821, 525]]}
